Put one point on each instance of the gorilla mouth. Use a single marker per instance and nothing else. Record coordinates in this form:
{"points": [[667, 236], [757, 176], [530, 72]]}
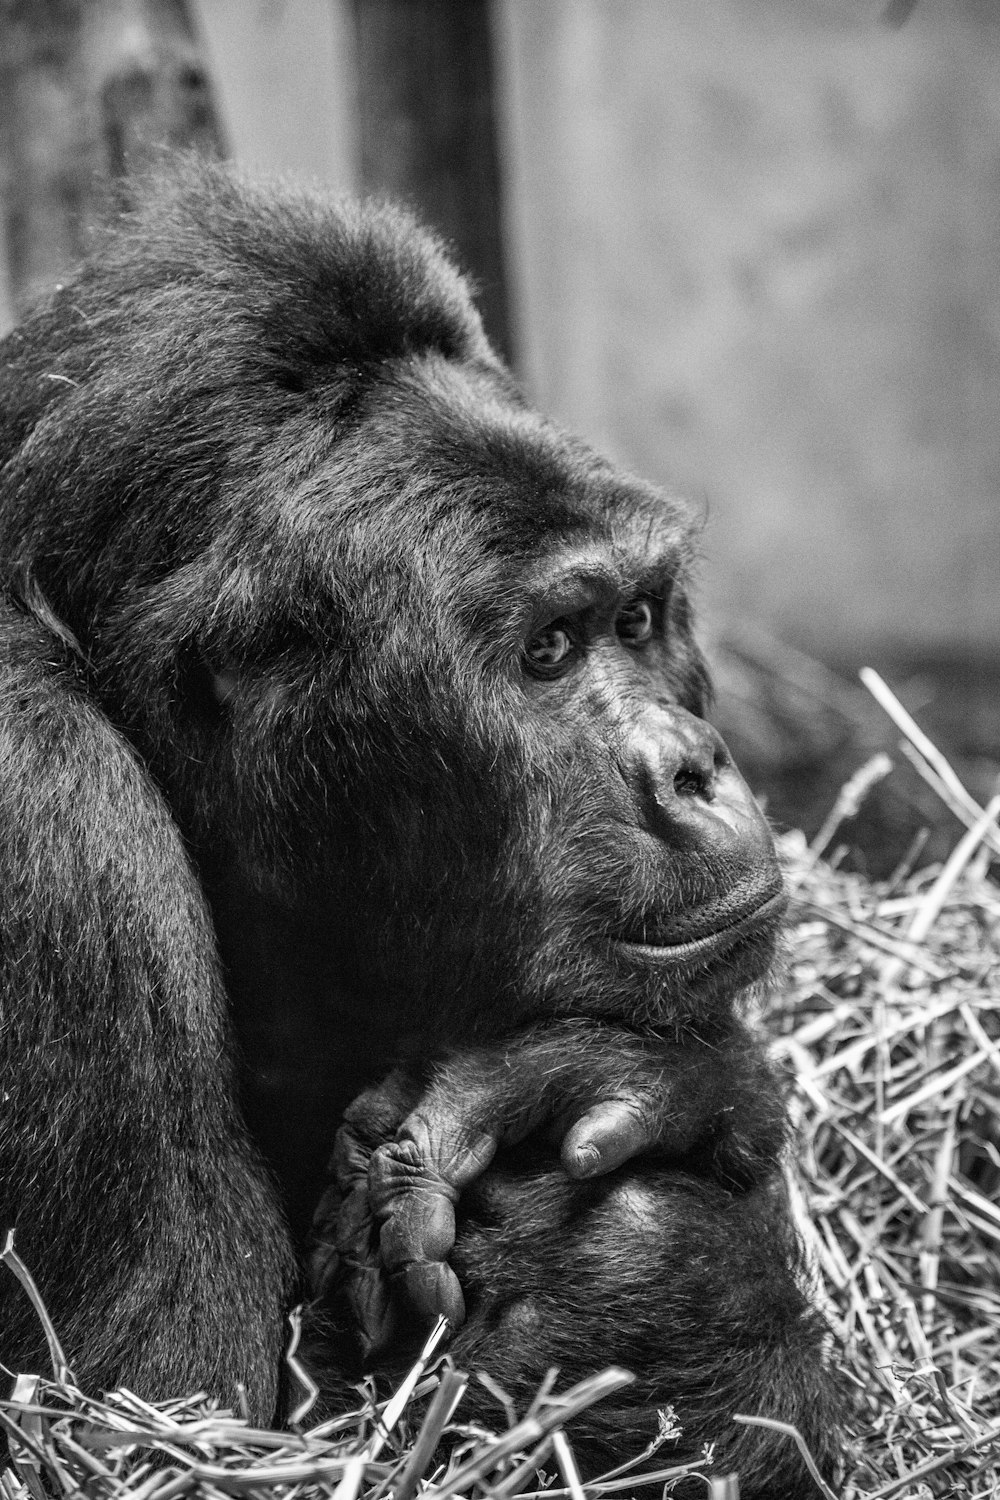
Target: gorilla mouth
{"points": [[709, 931]]}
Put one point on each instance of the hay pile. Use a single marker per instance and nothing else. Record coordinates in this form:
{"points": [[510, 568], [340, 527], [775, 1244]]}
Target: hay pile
{"points": [[889, 1024], [65, 1443]]}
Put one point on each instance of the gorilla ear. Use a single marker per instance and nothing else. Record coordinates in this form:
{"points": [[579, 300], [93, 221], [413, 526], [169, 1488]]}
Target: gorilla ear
{"points": [[205, 686], [210, 687], [223, 683]]}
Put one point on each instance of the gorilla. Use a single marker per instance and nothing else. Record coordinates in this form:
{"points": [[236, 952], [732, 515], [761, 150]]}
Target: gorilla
{"points": [[354, 767]]}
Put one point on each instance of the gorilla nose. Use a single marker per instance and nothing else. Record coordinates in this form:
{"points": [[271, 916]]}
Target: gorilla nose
{"points": [[691, 764], [679, 757], [688, 783]]}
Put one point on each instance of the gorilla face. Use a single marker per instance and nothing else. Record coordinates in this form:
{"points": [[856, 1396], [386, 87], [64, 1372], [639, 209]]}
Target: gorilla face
{"points": [[440, 685]]}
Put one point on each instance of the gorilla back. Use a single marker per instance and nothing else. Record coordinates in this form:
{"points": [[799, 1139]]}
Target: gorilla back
{"points": [[349, 707]]}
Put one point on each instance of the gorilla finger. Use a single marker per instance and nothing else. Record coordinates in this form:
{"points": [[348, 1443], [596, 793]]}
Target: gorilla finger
{"points": [[373, 1118], [327, 1212], [609, 1134], [431, 1290], [322, 1267], [370, 1299], [344, 1240], [414, 1203], [349, 1162], [418, 1230], [347, 1255], [419, 1226], [377, 1113], [448, 1138]]}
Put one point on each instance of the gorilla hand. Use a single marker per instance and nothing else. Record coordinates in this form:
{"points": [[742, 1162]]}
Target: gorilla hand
{"points": [[409, 1147]]}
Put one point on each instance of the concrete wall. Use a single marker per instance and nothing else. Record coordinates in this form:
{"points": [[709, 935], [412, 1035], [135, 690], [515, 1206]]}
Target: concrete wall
{"points": [[283, 75], [758, 252]]}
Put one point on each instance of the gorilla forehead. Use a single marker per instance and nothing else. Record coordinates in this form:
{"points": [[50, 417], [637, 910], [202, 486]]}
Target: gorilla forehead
{"points": [[254, 401], [296, 280], [442, 461]]}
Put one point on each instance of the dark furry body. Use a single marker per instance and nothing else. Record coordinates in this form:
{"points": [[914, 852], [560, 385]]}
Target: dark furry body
{"points": [[280, 798]]}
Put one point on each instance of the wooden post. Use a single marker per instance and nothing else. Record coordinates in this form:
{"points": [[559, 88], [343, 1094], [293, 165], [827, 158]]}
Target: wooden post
{"points": [[152, 89], [89, 90], [42, 161], [427, 129]]}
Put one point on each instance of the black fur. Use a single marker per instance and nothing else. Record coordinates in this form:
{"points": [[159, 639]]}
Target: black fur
{"points": [[138, 1199], [275, 529], [696, 1289]]}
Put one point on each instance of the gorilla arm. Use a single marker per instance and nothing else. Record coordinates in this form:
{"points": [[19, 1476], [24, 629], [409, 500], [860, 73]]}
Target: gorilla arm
{"points": [[140, 1205], [409, 1147]]}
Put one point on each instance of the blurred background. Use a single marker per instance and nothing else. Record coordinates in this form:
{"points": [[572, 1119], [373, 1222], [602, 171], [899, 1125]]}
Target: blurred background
{"points": [[749, 247]]}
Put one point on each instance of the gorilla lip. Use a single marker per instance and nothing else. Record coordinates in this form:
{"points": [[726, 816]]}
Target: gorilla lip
{"points": [[764, 913]]}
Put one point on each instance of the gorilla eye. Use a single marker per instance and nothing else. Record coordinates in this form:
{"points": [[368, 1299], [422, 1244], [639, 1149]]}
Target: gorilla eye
{"points": [[634, 623], [549, 649]]}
